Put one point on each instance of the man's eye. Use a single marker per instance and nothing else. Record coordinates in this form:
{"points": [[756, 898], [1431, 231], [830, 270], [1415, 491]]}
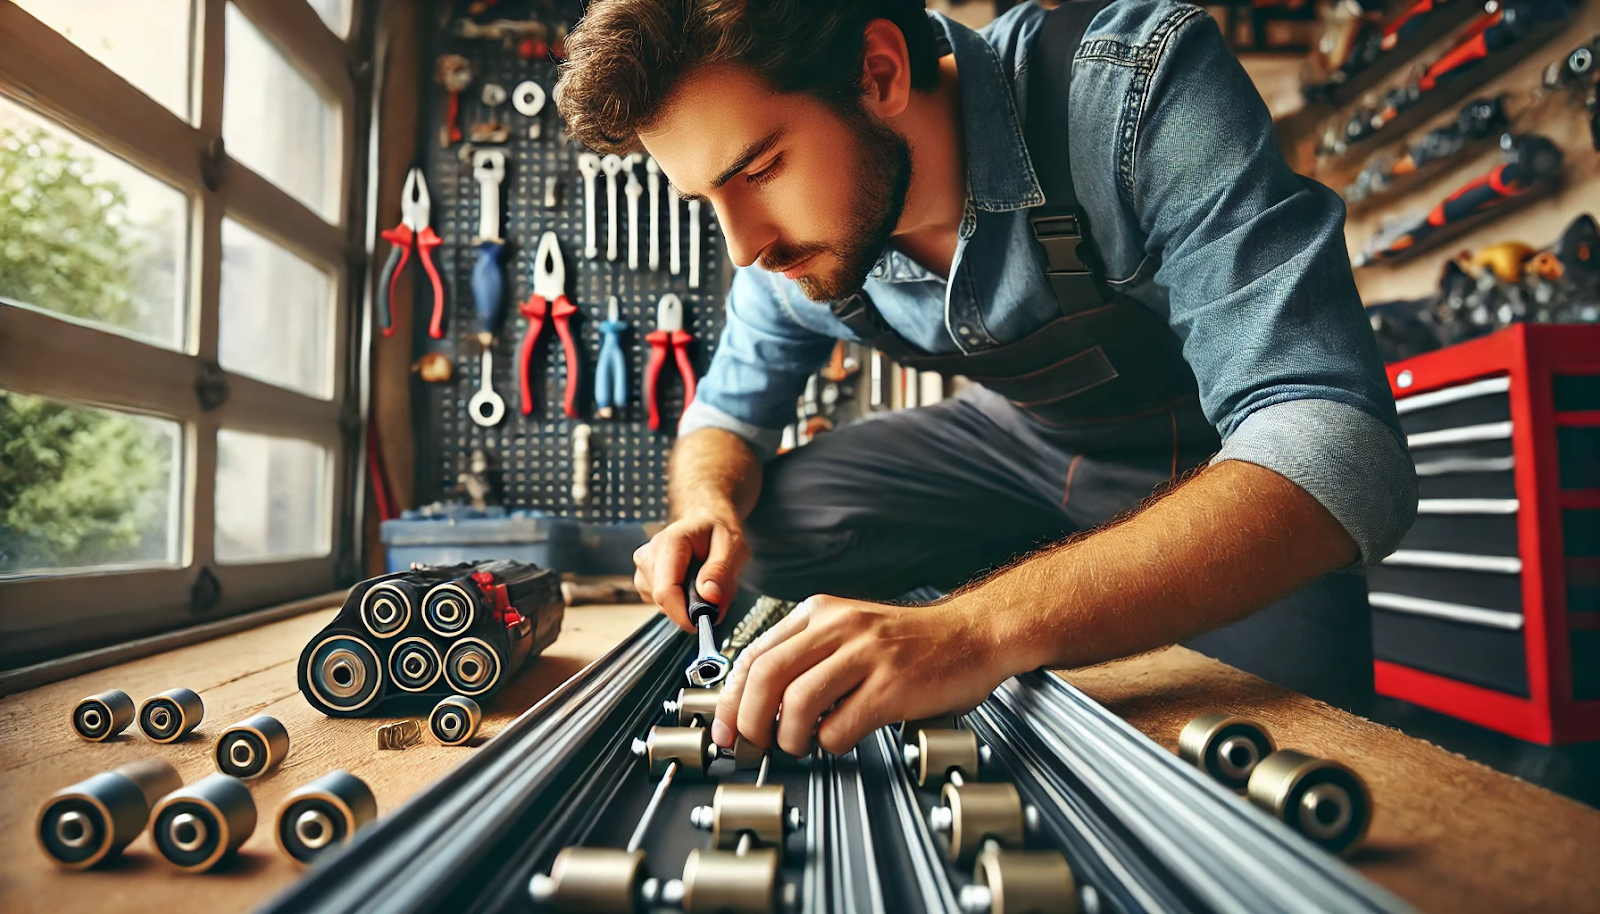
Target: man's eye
{"points": [[765, 174]]}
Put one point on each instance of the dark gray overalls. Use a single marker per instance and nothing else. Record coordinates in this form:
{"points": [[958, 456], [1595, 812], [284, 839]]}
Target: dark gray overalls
{"points": [[1068, 428]]}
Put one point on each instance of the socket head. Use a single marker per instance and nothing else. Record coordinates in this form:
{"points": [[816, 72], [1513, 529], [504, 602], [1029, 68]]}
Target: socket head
{"points": [[708, 671]]}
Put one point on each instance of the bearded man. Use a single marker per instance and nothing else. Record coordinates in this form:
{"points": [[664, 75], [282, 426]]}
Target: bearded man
{"points": [[1085, 212]]}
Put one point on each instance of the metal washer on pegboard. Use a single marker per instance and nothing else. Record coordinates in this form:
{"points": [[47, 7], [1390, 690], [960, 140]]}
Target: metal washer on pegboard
{"points": [[532, 454]]}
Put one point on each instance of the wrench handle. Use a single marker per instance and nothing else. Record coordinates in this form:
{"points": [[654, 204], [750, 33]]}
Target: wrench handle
{"points": [[488, 286], [699, 607]]}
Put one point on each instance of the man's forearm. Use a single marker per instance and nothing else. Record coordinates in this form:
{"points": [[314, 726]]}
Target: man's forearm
{"points": [[713, 471], [1229, 541]]}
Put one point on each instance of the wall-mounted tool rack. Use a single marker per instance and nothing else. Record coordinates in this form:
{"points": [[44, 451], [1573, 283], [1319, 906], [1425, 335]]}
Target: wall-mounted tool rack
{"points": [[531, 455]]}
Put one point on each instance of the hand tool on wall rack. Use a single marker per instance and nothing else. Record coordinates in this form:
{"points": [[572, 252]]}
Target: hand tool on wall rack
{"points": [[632, 191], [669, 334], [488, 286], [528, 98], [454, 73], [611, 370], [549, 299], [1532, 163], [611, 165], [491, 131], [589, 167], [654, 171], [694, 244], [580, 463], [674, 261], [414, 208]]}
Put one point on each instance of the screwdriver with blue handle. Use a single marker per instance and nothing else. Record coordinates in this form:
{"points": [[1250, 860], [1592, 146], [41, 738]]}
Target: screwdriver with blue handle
{"points": [[611, 373], [488, 284], [709, 668]]}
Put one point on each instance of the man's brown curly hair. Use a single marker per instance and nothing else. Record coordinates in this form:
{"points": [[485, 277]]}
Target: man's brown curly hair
{"points": [[626, 56]]}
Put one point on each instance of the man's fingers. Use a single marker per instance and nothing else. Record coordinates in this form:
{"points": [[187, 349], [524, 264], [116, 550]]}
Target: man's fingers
{"points": [[720, 574], [856, 716], [810, 696], [770, 676], [726, 727], [670, 553]]}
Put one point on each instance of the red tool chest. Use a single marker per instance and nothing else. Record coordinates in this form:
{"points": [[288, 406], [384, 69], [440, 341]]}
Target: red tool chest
{"points": [[1489, 611]]}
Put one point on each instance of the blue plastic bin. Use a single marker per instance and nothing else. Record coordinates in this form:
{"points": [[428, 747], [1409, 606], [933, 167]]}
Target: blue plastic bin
{"points": [[467, 536]]}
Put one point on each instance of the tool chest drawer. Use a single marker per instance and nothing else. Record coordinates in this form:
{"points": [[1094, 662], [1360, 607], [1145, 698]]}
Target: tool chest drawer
{"points": [[1475, 654], [1489, 610]]}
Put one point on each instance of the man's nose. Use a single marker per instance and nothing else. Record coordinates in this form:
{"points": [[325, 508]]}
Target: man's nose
{"points": [[747, 235]]}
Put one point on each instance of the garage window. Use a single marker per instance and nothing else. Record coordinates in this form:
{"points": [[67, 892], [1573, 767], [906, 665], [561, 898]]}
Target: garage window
{"points": [[177, 403]]}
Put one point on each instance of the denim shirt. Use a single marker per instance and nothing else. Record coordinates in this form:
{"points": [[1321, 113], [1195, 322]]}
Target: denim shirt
{"points": [[1197, 217]]}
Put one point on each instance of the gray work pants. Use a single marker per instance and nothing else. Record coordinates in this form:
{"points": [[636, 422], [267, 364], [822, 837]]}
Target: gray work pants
{"points": [[935, 497]]}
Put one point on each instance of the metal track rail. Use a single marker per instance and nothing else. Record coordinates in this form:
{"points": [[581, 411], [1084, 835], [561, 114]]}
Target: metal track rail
{"points": [[445, 847], [1227, 855]]}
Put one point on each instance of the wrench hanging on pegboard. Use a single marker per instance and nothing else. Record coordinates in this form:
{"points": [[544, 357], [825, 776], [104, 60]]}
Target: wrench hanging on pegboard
{"points": [[531, 451]]}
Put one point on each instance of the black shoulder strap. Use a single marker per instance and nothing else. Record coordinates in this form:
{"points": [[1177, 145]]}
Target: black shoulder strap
{"points": [[1073, 264]]}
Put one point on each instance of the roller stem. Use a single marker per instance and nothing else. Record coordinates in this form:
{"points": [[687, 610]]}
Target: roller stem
{"points": [[643, 827]]}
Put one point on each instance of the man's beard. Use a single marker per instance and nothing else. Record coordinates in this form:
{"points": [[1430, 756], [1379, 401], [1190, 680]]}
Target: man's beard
{"points": [[882, 186]]}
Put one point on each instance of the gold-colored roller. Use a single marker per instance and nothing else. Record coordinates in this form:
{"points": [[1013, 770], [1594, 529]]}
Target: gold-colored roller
{"points": [[973, 814], [738, 809], [938, 753], [724, 882], [1021, 882], [592, 880], [694, 705], [1224, 746], [1319, 798], [690, 747]]}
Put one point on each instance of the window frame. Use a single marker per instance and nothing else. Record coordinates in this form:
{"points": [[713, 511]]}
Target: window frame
{"points": [[42, 354]]}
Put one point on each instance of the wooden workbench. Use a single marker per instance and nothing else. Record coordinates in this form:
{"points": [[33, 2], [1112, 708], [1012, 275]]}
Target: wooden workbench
{"points": [[1449, 835]]}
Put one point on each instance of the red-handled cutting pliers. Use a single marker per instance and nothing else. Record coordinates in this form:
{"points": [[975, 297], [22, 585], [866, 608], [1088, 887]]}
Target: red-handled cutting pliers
{"points": [[549, 298], [669, 334], [413, 226]]}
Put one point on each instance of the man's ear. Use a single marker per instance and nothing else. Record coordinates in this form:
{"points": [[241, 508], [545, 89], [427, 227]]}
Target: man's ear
{"points": [[886, 69]]}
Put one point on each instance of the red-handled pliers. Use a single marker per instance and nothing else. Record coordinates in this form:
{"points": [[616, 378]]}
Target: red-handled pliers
{"points": [[669, 333], [413, 226], [549, 297]]}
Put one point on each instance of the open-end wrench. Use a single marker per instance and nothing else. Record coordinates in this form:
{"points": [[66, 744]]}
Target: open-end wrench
{"points": [[488, 286], [633, 191], [675, 264], [611, 164], [589, 167], [694, 244], [709, 668], [655, 212]]}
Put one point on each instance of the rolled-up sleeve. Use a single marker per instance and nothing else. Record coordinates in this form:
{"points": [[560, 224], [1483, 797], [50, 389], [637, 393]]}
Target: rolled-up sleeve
{"points": [[760, 368], [1260, 291]]}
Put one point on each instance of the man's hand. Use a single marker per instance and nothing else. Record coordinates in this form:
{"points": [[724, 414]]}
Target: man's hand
{"points": [[661, 564], [856, 666]]}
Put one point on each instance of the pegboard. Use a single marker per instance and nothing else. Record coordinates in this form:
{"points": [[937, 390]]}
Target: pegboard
{"points": [[531, 456]]}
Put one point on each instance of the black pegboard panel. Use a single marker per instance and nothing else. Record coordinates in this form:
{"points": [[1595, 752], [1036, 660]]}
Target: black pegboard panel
{"points": [[532, 455]]}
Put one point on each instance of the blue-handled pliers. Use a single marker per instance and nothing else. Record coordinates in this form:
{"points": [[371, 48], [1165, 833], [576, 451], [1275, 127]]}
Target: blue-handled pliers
{"points": [[611, 374]]}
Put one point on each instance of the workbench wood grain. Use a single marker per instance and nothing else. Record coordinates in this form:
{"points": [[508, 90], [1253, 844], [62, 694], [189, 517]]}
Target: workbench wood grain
{"points": [[243, 674], [1449, 834]]}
